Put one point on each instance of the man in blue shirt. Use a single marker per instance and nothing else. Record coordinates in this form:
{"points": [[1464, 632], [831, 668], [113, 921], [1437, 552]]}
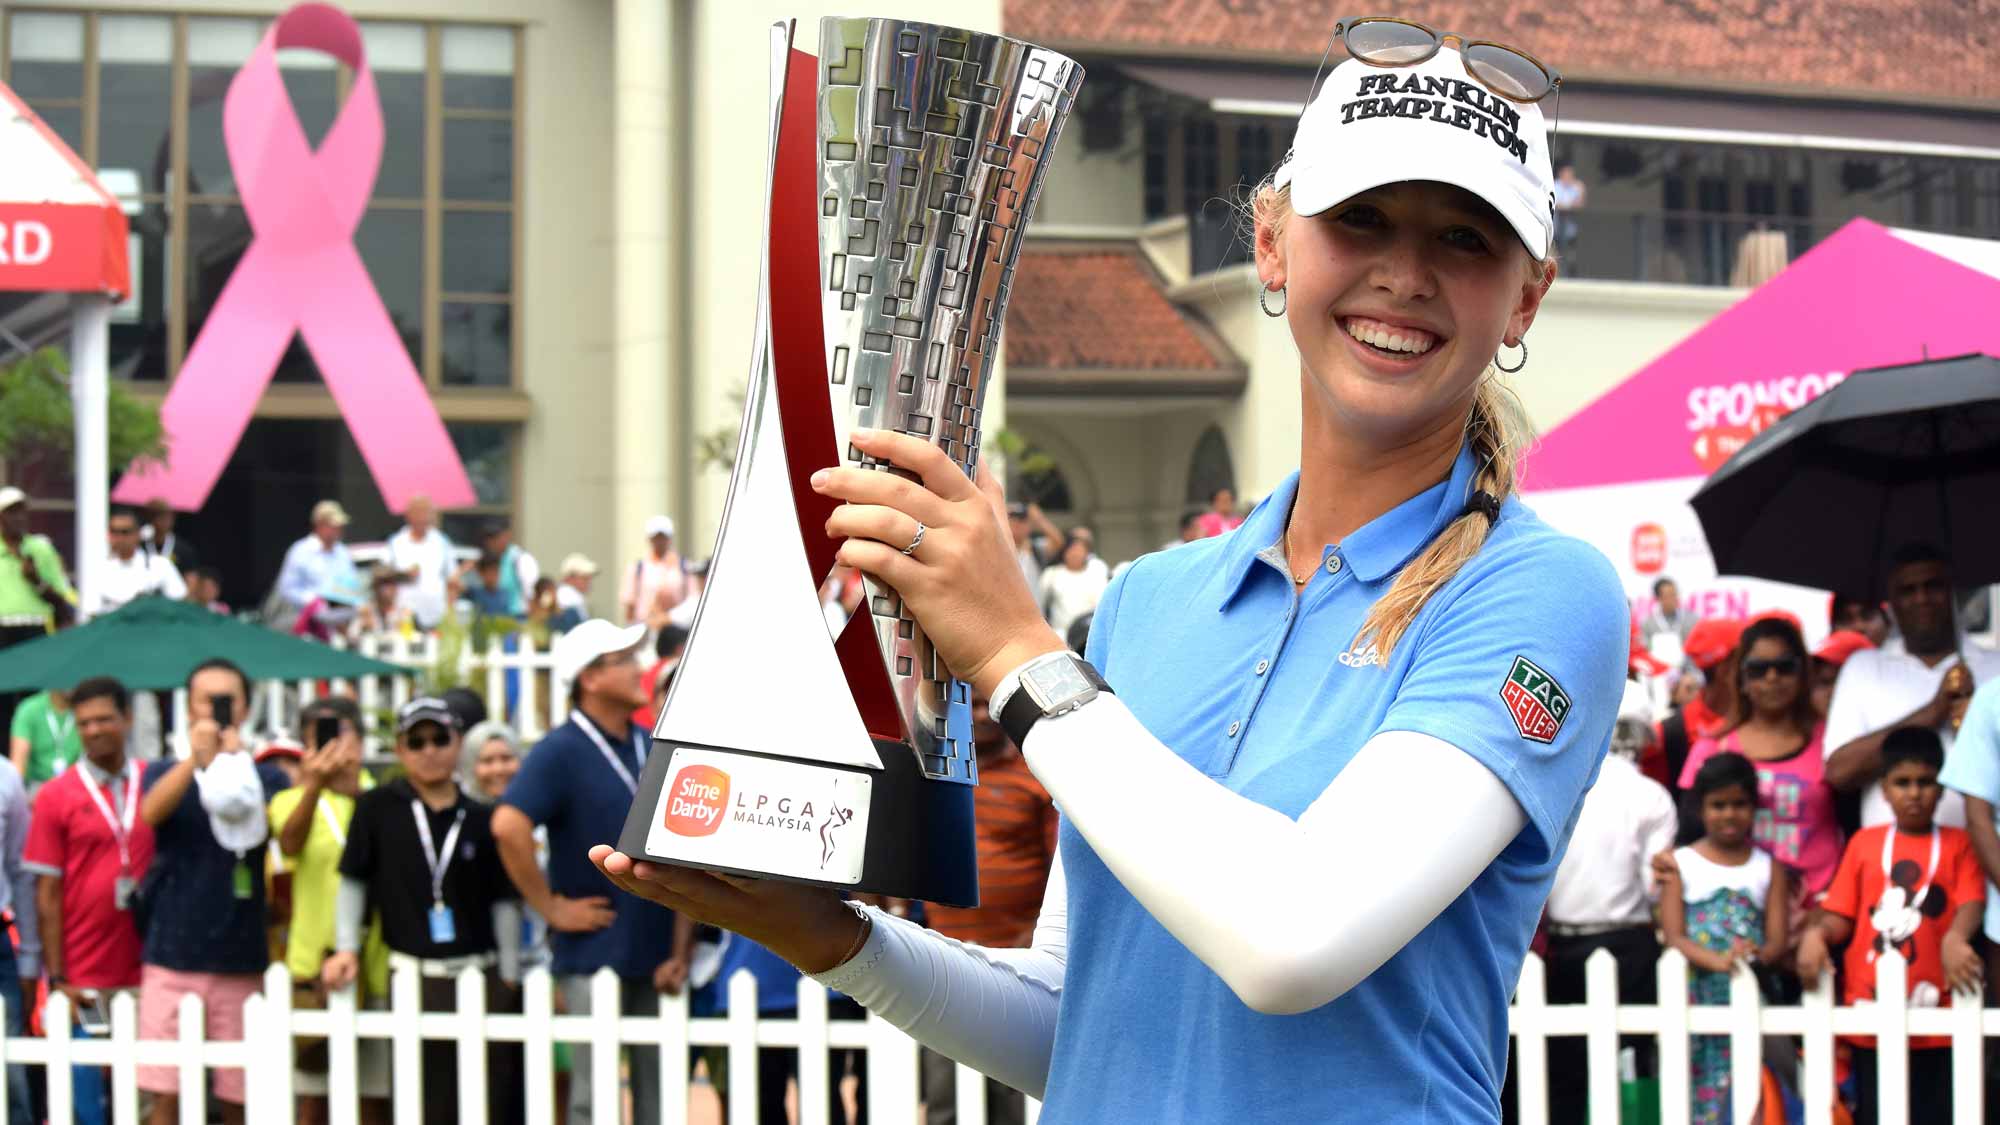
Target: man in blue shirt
{"points": [[578, 782], [202, 902], [319, 563]]}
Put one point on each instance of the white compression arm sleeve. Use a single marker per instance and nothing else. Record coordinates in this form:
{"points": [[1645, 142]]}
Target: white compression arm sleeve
{"points": [[1277, 908], [992, 1009]]}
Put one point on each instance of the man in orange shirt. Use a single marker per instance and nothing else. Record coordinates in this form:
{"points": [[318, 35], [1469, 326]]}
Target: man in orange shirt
{"points": [[1017, 843]]}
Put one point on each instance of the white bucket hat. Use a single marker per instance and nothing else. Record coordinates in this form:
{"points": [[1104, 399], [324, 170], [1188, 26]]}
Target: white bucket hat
{"points": [[1372, 125]]}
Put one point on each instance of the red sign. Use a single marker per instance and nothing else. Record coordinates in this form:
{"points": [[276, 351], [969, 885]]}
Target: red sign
{"points": [[696, 800], [1649, 548], [62, 248]]}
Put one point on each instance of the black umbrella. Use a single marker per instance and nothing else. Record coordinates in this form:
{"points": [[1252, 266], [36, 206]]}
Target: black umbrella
{"points": [[1891, 456]]}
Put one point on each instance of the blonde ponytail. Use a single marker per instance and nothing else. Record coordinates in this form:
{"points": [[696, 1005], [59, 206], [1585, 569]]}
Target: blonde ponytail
{"points": [[1497, 431]]}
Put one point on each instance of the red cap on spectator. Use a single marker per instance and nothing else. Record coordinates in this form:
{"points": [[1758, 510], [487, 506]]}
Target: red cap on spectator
{"points": [[1841, 644], [1712, 640], [281, 747]]}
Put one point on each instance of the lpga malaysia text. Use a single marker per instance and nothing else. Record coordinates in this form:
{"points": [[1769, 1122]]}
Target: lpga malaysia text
{"points": [[271, 1025]]}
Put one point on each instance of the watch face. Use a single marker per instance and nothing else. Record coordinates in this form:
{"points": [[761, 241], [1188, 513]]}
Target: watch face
{"points": [[1059, 682]]}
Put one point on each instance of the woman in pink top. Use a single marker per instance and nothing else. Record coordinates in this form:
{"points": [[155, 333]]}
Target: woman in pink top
{"points": [[1776, 728]]}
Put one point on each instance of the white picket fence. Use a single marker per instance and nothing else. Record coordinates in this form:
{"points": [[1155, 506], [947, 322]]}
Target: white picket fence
{"points": [[270, 1023], [539, 697]]}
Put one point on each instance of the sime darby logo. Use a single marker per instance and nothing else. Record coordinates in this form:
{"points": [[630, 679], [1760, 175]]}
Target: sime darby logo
{"points": [[1649, 548], [696, 800]]}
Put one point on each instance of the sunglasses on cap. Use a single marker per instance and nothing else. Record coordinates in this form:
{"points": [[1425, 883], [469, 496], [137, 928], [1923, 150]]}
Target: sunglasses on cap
{"points": [[1758, 669], [1387, 41]]}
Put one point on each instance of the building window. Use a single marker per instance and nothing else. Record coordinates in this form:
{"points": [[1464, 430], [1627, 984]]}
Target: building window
{"points": [[439, 238], [1209, 468], [1202, 167], [1254, 158]]}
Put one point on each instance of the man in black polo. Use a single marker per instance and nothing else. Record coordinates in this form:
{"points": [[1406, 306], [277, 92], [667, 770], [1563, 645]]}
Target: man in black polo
{"points": [[420, 853]]}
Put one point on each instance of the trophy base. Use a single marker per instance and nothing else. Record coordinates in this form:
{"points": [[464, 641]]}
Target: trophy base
{"points": [[890, 831]]}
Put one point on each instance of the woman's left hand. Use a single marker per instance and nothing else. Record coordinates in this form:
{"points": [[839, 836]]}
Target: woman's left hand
{"points": [[963, 583]]}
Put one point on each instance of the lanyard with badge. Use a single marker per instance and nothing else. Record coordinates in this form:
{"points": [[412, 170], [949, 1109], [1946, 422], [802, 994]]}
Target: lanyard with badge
{"points": [[59, 731], [444, 930], [121, 831], [611, 756]]}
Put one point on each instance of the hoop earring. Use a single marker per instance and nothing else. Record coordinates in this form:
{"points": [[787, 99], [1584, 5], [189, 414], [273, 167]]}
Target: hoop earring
{"points": [[1264, 292], [1523, 345]]}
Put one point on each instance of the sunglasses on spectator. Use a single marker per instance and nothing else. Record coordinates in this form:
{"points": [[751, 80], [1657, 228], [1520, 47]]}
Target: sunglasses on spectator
{"points": [[1758, 669], [1385, 41], [422, 742]]}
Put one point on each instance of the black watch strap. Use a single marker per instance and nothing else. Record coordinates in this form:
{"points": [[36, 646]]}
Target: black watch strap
{"points": [[1021, 713]]}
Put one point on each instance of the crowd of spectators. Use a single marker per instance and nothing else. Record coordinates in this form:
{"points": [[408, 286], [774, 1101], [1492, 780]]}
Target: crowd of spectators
{"points": [[1769, 808]]}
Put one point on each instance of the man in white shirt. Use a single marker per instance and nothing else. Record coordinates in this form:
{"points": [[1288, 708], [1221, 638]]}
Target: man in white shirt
{"points": [[1602, 895], [573, 592], [422, 555], [133, 573], [1908, 682]]}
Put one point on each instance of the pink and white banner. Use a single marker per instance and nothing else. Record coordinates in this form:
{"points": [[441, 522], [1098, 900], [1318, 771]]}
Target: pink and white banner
{"points": [[302, 274], [1620, 471]]}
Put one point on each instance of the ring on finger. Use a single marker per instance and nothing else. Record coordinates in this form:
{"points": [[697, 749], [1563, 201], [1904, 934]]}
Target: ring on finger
{"points": [[916, 540]]}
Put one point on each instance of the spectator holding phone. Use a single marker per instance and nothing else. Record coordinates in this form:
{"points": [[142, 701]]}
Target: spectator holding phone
{"points": [[88, 846], [204, 899], [311, 821]]}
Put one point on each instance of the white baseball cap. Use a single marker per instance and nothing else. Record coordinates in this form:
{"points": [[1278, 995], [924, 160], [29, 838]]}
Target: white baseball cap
{"points": [[10, 496], [577, 566], [660, 525], [1372, 125], [596, 637]]}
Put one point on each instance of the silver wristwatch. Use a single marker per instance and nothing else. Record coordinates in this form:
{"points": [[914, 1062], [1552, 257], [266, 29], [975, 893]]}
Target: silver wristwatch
{"points": [[1052, 684]]}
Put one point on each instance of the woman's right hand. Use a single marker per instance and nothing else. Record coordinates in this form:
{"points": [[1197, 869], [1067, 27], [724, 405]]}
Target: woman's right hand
{"points": [[808, 926], [339, 971]]}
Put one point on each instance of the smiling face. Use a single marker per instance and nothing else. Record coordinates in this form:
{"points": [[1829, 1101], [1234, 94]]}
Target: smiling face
{"points": [[1398, 299]]}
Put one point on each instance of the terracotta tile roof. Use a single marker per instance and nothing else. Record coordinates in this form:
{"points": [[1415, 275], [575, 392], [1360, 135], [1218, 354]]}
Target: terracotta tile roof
{"points": [[1923, 49], [1094, 318]]}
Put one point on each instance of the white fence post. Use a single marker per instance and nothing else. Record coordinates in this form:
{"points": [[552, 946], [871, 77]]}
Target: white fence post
{"points": [[194, 1087], [527, 717], [470, 1009], [1600, 996], [1817, 1077], [124, 1070], [56, 1024], [1676, 1065], [538, 1010], [406, 1005], [892, 1074], [1968, 1058], [496, 679], [815, 1073], [1892, 1040], [343, 1067], [606, 1005], [673, 1028], [1531, 1079], [744, 1102], [1746, 1044]]}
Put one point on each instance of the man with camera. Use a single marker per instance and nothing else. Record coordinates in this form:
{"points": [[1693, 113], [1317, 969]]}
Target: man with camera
{"points": [[202, 906]]}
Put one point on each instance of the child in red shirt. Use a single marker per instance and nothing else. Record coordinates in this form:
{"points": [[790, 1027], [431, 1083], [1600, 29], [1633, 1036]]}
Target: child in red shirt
{"points": [[1914, 887]]}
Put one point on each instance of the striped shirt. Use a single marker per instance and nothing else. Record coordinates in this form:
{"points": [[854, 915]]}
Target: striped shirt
{"points": [[1017, 842]]}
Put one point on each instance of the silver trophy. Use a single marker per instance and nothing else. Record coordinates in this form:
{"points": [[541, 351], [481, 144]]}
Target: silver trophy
{"points": [[905, 161]]}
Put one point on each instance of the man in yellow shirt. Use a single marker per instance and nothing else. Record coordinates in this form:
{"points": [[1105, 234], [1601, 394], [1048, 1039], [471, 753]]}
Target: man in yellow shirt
{"points": [[309, 822]]}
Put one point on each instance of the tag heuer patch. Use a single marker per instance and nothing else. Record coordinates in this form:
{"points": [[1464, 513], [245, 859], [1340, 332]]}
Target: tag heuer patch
{"points": [[1535, 701]]}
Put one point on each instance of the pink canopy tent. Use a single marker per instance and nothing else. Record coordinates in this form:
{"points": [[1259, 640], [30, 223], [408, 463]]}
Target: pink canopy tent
{"points": [[1619, 472], [61, 232]]}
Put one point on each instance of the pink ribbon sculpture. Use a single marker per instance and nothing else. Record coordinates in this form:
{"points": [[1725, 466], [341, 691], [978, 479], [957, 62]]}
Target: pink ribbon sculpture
{"points": [[302, 272]]}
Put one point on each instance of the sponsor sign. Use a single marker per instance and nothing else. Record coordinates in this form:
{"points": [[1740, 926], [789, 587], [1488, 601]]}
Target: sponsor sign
{"points": [[762, 814]]}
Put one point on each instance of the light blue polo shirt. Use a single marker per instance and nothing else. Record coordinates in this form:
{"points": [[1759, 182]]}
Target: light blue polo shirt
{"points": [[1519, 661], [1973, 768]]}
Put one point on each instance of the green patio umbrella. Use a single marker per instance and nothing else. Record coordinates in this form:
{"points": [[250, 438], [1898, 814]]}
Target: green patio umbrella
{"points": [[153, 643]]}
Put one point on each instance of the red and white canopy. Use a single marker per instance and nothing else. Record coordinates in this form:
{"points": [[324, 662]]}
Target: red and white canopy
{"points": [[60, 231]]}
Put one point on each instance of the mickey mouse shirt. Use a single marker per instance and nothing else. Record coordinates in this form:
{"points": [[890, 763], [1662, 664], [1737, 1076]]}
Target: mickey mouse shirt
{"points": [[1903, 898]]}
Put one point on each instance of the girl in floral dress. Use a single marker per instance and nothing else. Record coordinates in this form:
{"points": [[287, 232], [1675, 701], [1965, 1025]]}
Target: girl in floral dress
{"points": [[1724, 907]]}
